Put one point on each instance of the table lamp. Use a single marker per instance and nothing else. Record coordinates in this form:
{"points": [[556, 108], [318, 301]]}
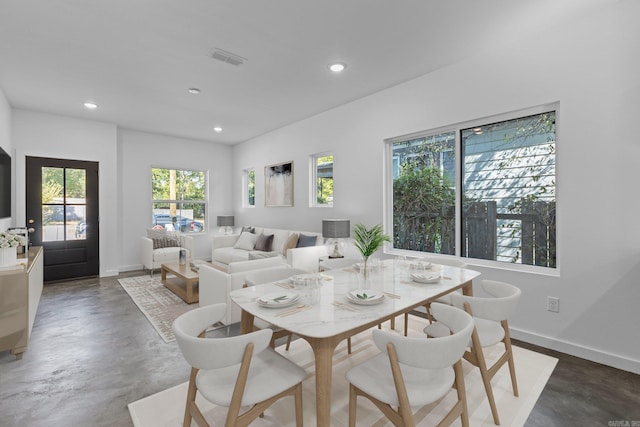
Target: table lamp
{"points": [[334, 230], [226, 222]]}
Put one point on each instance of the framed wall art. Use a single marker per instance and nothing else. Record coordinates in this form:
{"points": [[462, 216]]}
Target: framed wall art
{"points": [[278, 185]]}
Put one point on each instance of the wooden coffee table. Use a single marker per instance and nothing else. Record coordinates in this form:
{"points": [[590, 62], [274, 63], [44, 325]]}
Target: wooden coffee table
{"points": [[185, 282]]}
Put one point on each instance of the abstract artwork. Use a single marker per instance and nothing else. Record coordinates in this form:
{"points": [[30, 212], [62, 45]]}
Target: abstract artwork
{"points": [[278, 184]]}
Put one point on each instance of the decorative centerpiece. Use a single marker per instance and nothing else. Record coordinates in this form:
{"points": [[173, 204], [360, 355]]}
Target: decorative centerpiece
{"points": [[368, 241], [8, 248]]}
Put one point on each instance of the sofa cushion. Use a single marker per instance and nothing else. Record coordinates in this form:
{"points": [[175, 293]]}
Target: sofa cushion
{"points": [[261, 255], [291, 242], [264, 243], [246, 241], [304, 241], [248, 229], [229, 254], [165, 242]]}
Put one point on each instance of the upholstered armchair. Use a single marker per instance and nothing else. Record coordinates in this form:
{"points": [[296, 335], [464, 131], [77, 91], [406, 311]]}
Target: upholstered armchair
{"points": [[159, 246]]}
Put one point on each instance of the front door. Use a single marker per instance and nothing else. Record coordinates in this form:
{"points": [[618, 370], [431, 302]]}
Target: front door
{"points": [[62, 209]]}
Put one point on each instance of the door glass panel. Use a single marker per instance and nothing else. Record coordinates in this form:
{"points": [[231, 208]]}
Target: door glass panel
{"points": [[75, 185], [63, 204], [76, 222], [52, 223], [52, 185]]}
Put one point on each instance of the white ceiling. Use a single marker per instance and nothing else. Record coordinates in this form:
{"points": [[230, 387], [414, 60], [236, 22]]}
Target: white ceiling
{"points": [[137, 58]]}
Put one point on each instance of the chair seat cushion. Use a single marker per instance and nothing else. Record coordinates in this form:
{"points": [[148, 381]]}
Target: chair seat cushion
{"points": [[423, 386], [269, 374], [489, 332], [166, 254]]}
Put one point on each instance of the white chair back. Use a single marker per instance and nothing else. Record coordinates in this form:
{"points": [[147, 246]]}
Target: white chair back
{"points": [[213, 353], [431, 353], [500, 306]]}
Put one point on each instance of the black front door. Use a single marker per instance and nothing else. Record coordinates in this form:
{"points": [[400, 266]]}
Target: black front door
{"points": [[62, 209]]}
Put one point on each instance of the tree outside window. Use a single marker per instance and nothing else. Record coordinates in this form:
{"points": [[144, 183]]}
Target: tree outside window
{"points": [[506, 204], [322, 171], [178, 199], [249, 188]]}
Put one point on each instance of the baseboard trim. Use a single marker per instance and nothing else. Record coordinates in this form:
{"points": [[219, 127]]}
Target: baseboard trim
{"points": [[573, 349]]}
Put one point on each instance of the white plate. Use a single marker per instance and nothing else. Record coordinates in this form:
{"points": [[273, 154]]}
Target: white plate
{"points": [[365, 297], [278, 299], [425, 278]]}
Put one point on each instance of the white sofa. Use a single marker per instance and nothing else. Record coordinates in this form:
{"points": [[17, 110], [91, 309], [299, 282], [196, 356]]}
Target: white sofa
{"points": [[155, 253], [230, 249], [214, 286]]}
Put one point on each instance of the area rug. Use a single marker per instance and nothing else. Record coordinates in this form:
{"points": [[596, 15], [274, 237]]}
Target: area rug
{"points": [[160, 306], [166, 408]]}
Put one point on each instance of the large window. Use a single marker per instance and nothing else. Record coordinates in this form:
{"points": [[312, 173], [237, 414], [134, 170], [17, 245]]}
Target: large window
{"points": [[502, 206], [249, 188], [322, 180], [178, 199]]}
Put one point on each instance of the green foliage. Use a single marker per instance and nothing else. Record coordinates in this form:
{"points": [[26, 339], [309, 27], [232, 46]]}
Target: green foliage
{"points": [[423, 210], [179, 185], [324, 184], [251, 187], [368, 241]]}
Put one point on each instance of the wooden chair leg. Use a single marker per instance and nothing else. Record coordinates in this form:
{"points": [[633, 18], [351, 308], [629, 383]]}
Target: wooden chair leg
{"points": [[298, 403], [349, 345], [288, 342], [353, 399], [406, 324], [484, 373], [191, 398], [512, 365]]}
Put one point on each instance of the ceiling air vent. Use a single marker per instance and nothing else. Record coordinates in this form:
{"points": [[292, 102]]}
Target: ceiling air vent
{"points": [[228, 57]]}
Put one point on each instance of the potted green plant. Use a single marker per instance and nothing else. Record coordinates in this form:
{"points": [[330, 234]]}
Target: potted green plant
{"points": [[368, 241]]}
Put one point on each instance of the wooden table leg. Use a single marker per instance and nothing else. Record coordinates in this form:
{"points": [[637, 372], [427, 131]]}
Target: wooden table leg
{"points": [[323, 350], [467, 288], [246, 322]]}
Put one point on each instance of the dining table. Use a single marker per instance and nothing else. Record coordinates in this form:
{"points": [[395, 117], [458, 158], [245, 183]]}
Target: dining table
{"points": [[338, 308]]}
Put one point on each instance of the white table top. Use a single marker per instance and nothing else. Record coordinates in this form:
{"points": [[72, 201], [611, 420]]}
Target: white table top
{"points": [[326, 319]]}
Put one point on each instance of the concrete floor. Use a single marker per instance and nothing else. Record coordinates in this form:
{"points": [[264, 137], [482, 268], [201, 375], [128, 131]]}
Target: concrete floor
{"points": [[92, 352]]}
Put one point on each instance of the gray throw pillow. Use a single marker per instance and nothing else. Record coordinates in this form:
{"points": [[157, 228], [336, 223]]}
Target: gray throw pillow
{"points": [[304, 240], [264, 243]]}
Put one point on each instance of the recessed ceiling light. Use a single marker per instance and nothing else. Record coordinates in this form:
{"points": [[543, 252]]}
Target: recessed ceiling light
{"points": [[194, 90], [337, 67], [91, 105], [217, 129]]}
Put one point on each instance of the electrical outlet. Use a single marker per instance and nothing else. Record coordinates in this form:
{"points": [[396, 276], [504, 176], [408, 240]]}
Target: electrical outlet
{"points": [[553, 304]]}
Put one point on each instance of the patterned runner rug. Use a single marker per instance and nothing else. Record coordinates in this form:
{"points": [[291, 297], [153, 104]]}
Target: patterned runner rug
{"points": [[166, 408], [157, 303]]}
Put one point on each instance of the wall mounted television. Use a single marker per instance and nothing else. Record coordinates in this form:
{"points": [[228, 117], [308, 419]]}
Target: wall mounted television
{"points": [[5, 184]]}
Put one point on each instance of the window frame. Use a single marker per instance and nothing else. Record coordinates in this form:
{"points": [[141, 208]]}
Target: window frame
{"points": [[245, 187], [388, 177], [204, 202], [313, 179]]}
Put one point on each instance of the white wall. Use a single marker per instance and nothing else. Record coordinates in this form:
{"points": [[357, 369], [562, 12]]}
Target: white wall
{"points": [[5, 143], [48, 135], [591, 68], [138, 152]]}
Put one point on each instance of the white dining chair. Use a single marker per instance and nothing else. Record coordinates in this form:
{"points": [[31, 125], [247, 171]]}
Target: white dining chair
{"points": [[235, 372], [491, 319], [414, 372], [265, 276], [445, 299]]}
